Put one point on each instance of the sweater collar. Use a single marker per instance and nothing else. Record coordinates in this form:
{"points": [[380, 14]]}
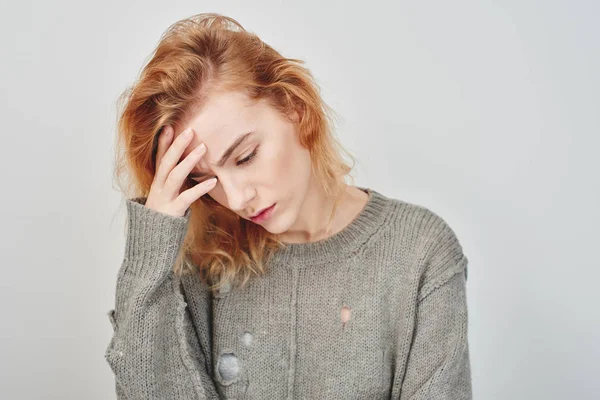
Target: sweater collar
{"points": [[344, 242]]}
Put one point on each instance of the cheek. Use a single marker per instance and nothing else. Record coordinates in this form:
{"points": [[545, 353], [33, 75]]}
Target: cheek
{"points": [[285, 164], [274, 164], [294, 165], [217, 195]]}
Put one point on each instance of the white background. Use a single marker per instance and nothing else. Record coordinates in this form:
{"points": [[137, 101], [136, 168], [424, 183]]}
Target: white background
{"points": [[486, 112]]}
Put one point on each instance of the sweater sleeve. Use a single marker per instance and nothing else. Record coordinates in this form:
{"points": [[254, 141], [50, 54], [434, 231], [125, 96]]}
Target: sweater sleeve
{"points": [[438, 364], [149, 352]]}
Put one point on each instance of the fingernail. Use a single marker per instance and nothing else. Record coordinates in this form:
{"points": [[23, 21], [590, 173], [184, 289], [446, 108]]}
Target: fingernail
{"points": [[199, 149], [187, 132]]}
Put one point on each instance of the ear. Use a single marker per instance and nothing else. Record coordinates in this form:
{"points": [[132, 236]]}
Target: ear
{"points": [[294, 117]]}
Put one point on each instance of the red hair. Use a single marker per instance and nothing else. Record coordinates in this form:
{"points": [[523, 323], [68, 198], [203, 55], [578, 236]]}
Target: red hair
{"points": [[196, 56]]}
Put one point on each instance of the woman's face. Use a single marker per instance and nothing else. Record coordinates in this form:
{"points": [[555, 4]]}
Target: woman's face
{"points": [[268, 167]]}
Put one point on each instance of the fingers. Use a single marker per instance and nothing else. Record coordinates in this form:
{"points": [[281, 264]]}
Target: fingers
{"points": [[179, 174], [172, 151], [187, 197], [164, 141]]}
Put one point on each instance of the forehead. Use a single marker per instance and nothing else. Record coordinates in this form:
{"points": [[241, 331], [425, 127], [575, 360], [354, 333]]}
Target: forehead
{"points": [[222, 118]]}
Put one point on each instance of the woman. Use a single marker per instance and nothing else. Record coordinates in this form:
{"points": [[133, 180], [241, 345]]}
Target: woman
{"points": [[252, 270]]}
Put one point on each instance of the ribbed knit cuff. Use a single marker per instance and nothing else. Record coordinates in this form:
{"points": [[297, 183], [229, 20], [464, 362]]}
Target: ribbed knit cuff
{"points": [[153, 239]]}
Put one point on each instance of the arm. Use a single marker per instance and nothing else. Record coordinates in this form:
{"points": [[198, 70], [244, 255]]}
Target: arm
{"points": [[148, 353], [438, 363]]}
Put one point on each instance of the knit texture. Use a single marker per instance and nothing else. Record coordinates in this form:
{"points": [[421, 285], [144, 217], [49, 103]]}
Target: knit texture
{"points": [[397, 268]]}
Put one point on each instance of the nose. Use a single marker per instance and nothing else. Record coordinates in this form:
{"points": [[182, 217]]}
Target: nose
{"points": [[238, 194]]}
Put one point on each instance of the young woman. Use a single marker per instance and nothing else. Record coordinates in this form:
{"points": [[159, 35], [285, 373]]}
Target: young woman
{"points": [[252, 269]]}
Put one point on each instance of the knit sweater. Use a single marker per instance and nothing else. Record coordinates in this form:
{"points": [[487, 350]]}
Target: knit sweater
{"points": [[397, 271]]}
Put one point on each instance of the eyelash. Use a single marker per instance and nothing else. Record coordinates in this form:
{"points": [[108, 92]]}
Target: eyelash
{"points": [[245, 161], [248, 159]]}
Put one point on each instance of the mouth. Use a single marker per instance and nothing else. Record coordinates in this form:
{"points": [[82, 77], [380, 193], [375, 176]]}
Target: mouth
{"points": [[263, 214]]}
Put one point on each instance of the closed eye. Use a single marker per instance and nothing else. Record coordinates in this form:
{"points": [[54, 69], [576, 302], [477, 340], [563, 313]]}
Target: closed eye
{"points": [[248, 159], [244, 161]]}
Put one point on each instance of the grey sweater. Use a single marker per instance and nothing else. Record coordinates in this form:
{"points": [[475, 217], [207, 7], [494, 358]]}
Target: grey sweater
{"points": [[398, 268]]}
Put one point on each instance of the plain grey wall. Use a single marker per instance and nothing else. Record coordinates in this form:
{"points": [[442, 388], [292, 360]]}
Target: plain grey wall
{"points": [[486, 112]]}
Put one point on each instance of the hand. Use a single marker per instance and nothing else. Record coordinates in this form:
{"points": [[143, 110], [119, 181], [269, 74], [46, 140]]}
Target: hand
{"points": [[165, 195]]}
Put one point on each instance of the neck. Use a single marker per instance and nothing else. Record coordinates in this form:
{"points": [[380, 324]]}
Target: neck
{"points": [[359, 227], [313, 222]]}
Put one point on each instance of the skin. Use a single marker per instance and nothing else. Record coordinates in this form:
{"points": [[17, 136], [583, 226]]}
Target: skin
{"points": [[278, 172]]}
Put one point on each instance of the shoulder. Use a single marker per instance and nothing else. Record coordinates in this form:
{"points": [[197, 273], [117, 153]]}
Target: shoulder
{"points": [[429, 240]]}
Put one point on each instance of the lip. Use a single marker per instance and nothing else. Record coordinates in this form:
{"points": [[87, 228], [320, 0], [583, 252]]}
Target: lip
{"points": [[263, 215]]}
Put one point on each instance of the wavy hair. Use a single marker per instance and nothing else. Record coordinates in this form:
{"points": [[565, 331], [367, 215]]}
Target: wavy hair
{"points": [[195, 56]]}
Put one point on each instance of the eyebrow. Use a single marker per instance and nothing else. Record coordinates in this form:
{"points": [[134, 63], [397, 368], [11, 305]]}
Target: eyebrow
{"points": [[225, 155]]}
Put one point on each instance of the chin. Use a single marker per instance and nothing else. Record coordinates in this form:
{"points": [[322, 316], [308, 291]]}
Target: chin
{"points": [[277, 224], [273, 227]]}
